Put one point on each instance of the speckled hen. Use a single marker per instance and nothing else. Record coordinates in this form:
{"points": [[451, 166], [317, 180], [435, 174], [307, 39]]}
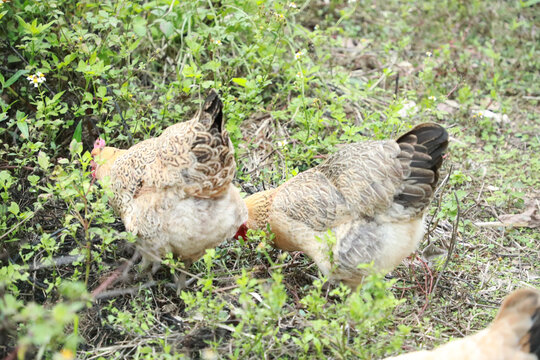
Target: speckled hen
{"points": [[513, 335], [372, 196], [174, 192]]}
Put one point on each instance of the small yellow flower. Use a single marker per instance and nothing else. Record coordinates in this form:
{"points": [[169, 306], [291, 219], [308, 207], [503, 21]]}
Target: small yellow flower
{"points": [[299, 74], [217, 42], [292, 5], [432, 98], [80, 38], [280, 16], [428, 54], [363, 40], [299, 54], [67, 354]]}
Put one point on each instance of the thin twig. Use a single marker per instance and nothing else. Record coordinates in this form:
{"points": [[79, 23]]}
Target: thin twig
{"points": [[452, 244], [453, 89], [489, 224], [439, 201], [120, 292], [17, 225], [17, 167]]}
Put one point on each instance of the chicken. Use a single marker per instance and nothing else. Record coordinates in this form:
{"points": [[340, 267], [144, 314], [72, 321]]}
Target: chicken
{"points": [[174, 192], [513, 335], [371, 195]]}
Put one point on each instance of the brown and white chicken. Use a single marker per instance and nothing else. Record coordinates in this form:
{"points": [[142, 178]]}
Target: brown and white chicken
{"points": [[174, 192], [513, 335], [371, 195]]}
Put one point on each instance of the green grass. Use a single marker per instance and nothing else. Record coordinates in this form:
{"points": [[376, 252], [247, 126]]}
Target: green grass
{"points": [[296, 82]]}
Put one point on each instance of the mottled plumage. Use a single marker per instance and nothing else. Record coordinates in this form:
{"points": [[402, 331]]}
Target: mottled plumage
{"points": [[372, 195], [174, 191], [513, 335]]}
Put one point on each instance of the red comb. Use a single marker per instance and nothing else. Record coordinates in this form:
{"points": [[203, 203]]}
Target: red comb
{"points": [[99, 143]]}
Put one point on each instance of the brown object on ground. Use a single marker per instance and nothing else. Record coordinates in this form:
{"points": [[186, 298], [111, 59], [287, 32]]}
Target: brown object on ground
{"points": [[513, 335]]}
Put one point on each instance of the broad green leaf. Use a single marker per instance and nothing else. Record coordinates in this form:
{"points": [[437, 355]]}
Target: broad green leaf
{"points": [[191, 71], [167, 28], [134, 45], [139, 26], [57, 97], [23, 127], [212, 66], [33, 179], [77, 135], [43, 160], [240, 81], [101, 91], [13, 208], [67, 59], [207, 84], [5, 179], [75, 147]]}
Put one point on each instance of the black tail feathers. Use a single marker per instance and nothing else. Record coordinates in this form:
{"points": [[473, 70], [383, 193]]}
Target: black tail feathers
{"points": [[422, 151], [534, 335], [431, 136]]}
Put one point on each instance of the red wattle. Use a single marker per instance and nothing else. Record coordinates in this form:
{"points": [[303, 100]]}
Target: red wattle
{"points": [[242, 231], [93, 166]]}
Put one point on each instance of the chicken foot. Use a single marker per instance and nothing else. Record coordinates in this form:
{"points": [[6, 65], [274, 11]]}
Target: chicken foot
{"points": [[180, 279]]}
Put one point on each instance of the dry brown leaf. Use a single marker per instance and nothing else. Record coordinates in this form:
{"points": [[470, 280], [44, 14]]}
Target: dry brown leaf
{"points": [[529, 218]]}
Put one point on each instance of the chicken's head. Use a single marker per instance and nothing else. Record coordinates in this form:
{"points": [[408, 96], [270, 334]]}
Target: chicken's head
{"points": [[99, 145]]}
